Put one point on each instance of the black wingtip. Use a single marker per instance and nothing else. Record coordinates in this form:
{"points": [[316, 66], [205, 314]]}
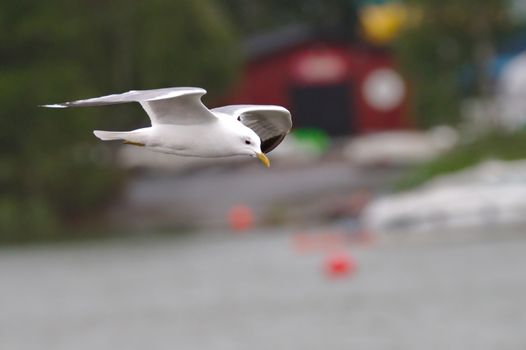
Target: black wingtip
{"points": [[271, 143]]}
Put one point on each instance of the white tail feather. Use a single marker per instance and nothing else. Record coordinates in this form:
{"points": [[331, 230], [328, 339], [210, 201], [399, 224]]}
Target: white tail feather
{"points": [[111, 135]]}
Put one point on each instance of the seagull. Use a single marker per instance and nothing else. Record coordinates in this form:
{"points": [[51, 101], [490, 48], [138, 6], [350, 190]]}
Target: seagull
{"points": [[181, 124]]}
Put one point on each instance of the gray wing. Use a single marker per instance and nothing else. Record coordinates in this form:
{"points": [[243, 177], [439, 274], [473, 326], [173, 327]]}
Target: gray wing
{"points": [[177, 105], [270, 123]]}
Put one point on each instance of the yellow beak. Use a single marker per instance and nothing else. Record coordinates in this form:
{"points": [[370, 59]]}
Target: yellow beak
{"points": [[263, 158]]}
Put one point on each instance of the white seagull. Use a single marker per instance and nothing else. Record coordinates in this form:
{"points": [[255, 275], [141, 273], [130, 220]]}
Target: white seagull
{"points": [[183, 125]]}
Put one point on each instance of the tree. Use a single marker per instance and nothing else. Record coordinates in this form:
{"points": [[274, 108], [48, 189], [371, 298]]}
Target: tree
{"points": [[444, 39], [51, 169]]}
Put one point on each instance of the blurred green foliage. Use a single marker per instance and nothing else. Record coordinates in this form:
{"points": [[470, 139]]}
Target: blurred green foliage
{"points": [[53, 173], [315, 139], [496, 145], [442, 39]]}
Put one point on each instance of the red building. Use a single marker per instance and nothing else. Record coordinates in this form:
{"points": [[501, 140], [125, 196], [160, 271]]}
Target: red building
{"points": [[326, 82]]}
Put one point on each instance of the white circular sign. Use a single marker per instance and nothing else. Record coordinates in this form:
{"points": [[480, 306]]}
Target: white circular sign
{"points": [[383, 89]]}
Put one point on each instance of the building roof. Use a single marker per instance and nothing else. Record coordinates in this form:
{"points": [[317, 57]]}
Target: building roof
{"points": [[297, 34], [278, 39]]}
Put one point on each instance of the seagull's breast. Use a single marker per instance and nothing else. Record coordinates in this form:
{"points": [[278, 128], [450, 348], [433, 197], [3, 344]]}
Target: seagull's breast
{"points": [[198, 140]]}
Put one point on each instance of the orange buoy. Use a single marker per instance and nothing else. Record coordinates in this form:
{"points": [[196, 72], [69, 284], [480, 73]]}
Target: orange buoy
{"points": [[240, 218]]}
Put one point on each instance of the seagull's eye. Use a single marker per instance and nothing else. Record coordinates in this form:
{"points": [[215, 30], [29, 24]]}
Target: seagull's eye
{"points": [[247, 142]]}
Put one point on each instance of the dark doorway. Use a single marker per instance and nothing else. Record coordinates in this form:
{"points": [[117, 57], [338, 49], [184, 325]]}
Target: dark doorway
{"points": [[326, 107]]}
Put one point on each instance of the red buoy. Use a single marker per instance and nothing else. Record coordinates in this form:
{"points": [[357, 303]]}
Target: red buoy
{"points": [[340, 264]]}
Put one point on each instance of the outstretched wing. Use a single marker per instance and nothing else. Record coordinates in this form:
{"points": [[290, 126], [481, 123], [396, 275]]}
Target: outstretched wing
{"points": [[270, 123], [177, 105]]}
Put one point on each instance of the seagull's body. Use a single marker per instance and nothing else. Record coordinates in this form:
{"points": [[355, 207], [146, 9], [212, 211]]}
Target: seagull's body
{"points": [[200, 140], [182, 125]]}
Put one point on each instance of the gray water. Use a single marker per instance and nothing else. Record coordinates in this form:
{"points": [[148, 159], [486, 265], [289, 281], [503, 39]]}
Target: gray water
{"points": [[220, 291]]}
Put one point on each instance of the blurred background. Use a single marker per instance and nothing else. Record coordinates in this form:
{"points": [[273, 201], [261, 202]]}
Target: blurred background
{"points": [[393, 215]]}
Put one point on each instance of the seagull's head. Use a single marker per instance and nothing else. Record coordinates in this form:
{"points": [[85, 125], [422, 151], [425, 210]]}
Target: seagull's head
{"points": [[249, 143]]}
